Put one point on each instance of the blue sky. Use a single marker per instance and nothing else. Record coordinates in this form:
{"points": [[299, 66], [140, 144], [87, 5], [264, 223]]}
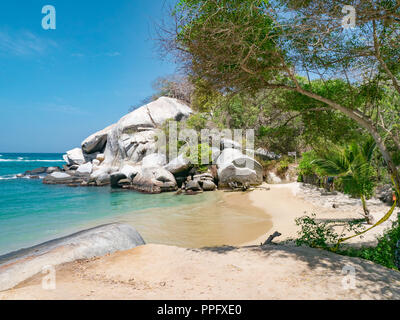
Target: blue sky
{"points": [[59, 86]]}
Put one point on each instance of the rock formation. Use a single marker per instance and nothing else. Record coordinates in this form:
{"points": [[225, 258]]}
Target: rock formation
{"points": [[126, 155]]}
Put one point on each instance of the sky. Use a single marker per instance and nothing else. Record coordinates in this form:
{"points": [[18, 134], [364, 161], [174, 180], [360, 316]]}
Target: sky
{"points": [[59, 86]]}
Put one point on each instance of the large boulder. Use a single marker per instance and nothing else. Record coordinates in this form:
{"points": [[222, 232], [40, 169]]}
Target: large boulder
{"points": [[178, 165], [215, 153], [133, 137], [74, 157], [22, 264], [97, 141], [193, 185], [154, 180], [235, 168], [85, 169], [154, 160], [228, 155], [101, 176], [208, 185], [154, 114], [130, 171]]}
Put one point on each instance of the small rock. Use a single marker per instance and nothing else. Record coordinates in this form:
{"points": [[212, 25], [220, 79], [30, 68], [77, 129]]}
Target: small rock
{"points": [[115, 178], [124, 182], [193, 185], [209, 185]]}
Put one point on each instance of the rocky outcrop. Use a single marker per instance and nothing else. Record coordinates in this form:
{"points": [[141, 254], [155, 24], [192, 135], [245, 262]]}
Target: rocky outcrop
{"points": [[133, 137], [126, 155], [41, 170], [132, 140]]}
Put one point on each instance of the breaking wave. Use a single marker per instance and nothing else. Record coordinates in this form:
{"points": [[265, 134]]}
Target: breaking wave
{"points": [[26, 160], [8, 177]]}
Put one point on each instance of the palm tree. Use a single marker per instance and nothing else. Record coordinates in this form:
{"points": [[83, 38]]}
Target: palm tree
{"points": [[353, 166]]}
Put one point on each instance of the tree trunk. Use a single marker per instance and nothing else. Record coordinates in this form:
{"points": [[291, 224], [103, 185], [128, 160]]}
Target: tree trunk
{"points": [[367, 215], [364, 122]]}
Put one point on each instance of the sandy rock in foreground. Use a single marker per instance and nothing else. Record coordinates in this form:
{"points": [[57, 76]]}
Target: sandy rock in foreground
{"points": [[162, 272]]}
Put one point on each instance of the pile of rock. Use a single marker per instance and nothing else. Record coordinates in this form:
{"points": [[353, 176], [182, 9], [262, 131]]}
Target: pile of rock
{"points": [[125, 155], [199, 183], [39, 172]]}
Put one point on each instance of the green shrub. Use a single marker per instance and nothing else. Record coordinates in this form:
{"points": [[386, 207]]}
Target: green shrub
{"points": [[385, 251], [315, 234], [306, 167], [321, 235], [283, 166], [197, 121], [196, 154]]}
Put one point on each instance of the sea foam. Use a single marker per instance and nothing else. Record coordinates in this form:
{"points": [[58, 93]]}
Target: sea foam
{"points": [[23, 160]]}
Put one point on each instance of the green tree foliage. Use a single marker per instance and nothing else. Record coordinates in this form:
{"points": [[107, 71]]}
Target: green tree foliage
{"points": [[198, 155], [352, 164], [252, 45], [353, 167]]}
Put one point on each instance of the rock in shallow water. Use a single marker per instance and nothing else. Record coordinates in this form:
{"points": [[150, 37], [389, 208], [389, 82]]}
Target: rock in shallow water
{"points": [[61, 178], [115, 178], [208, 185], [154, 180]]}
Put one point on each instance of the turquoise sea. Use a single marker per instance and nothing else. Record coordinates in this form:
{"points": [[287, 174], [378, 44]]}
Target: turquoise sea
{"points": [[31, 212]]}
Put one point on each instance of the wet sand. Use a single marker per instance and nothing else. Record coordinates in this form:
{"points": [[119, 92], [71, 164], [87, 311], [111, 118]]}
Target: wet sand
{"points": [[229, 218]]}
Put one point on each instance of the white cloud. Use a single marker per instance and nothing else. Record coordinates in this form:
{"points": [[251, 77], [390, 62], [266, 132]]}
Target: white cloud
{"points": [[113, 54], [23, 43], [64, 108]]}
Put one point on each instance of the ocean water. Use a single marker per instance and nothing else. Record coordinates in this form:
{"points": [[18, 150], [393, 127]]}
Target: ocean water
{"points": [[31, 212]]}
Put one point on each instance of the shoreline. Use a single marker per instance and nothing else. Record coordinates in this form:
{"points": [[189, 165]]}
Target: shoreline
{"points": [[156, 271], [283, 203]]}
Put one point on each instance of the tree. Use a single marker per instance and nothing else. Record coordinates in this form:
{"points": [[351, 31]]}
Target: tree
{"points": [[352, 165], [174, 86], [248, 45]]}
